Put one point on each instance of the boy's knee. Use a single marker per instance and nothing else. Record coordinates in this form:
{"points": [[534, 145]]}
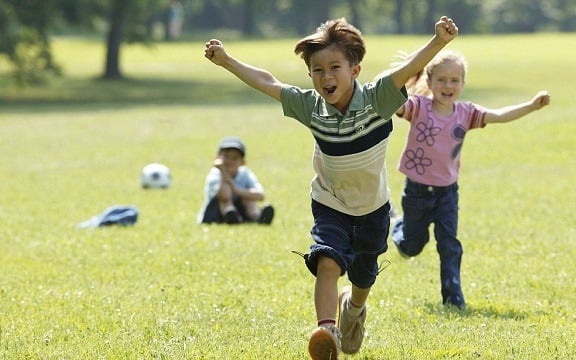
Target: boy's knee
{"points": [[327, 265], [225, 193], [325, 260], [224, 201]]}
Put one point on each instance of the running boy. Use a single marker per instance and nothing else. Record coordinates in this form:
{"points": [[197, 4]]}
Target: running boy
{"points": [[350, 123], [431, 162], [231, 189]]}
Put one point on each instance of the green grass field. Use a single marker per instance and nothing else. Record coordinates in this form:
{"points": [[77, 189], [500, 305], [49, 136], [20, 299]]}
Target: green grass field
{"points": [[168, 288]]}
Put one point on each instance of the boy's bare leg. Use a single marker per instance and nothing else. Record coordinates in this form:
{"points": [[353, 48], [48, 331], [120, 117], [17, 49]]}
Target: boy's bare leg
{"points": [[225, 198], [252, 210], [326, 288], [359, 295], [325, 341], [352, 318]]}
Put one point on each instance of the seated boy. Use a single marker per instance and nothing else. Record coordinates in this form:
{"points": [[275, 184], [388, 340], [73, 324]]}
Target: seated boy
{"points": [[231, 190]]}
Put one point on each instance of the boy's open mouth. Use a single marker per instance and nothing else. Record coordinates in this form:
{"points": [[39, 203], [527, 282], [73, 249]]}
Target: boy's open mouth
{"points": [[329, 90]]}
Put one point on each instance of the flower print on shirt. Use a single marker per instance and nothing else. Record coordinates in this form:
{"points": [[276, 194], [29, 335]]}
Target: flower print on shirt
{"points": [[434, 143], [417, 161], [458, 133], [427, 132]]}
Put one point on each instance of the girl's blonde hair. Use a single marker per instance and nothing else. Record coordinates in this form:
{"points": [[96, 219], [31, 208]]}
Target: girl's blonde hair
{"points": [[417, 84]]}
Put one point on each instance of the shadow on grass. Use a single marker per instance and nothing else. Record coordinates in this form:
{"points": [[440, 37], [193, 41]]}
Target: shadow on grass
{"points": [[69, 93], [476, 311], [74, 93]]}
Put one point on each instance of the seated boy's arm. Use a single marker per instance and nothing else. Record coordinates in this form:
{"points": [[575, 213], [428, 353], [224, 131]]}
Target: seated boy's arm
{"points": [[251, 194], [445, 31], [253, 190], [259, 79]]}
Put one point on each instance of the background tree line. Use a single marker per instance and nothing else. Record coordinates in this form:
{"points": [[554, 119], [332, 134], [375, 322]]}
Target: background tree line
{"points": [[26, 26]]}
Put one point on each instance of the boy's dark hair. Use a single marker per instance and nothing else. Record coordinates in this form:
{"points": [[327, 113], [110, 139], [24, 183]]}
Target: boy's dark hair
{"points": [[338, 33]]}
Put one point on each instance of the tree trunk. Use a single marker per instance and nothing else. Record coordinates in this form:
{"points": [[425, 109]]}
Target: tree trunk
{"points": [[355, 18], [399, 15], [249, 26], [301, 10], [320, 12], [431, 17], [567, 20], [114, 41]]}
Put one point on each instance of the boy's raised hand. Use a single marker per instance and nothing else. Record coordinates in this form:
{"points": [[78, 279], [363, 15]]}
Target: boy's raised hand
{"points": [[446, 29], [214, 51], [219, 164]]}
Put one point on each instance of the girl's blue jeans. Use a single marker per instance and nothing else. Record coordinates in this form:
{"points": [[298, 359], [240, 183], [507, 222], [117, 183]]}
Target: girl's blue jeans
{"points": [[422, 206]]}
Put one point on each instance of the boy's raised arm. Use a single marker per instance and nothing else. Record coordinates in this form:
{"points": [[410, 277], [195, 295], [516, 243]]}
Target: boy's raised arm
{"points": [[445, 31], [259, 79]]}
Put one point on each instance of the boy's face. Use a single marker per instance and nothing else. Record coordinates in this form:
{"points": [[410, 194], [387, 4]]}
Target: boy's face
{"points": [[230, 160], [446, 83], [333, 76]]}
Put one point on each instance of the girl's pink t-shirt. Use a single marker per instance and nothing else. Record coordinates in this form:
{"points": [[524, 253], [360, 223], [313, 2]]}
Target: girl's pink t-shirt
{"points": [[432, 152]]}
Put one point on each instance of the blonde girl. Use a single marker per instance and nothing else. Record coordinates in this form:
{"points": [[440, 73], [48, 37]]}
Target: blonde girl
{"points": [[431, 162]]}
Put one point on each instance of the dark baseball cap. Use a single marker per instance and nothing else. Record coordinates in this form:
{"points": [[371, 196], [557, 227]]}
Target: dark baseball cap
{"points": [[232, 143]]}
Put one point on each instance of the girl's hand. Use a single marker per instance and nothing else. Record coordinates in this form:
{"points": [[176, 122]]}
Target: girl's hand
{"points": [[540, 100], [446, 29]]}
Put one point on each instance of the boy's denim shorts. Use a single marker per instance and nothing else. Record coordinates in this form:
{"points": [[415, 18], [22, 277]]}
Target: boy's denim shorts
{"points": [[354, 242]]}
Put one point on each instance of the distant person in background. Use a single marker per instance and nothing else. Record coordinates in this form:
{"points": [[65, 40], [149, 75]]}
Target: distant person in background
{"points": [[232, 191], [431, 162], [174, 19]]}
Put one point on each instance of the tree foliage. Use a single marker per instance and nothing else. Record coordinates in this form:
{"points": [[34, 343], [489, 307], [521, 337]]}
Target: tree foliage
{"points": [[26, 25]]}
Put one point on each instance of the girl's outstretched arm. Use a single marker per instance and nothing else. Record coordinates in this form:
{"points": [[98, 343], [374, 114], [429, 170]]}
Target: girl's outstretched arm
{"points": [[259, 79], [513, 112]]}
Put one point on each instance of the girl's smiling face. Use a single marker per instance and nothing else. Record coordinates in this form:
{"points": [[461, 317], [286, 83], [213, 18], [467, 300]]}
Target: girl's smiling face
{"points": [[333, 76], [446, 83]]}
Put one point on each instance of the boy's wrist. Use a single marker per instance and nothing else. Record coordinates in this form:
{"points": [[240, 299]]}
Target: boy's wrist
{"points": [[229, 63], [439, 41]]}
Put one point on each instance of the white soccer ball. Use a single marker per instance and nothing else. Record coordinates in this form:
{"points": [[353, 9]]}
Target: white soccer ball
{"points": [[155, 176]]}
